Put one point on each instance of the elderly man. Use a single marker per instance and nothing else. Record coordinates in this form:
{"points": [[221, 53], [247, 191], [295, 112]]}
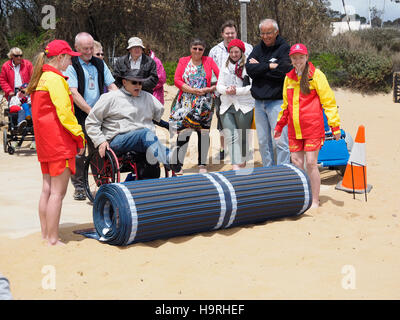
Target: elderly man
{"points": [[220, 54], [15, 72], [123, 120], [136, 59], [267, 65], [88, 75]]}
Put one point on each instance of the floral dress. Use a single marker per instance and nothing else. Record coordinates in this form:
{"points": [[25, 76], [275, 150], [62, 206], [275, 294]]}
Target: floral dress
{"points": [[193, 111]]}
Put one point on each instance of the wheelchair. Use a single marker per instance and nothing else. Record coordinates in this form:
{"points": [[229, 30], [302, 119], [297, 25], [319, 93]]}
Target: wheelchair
{"points": [[113, 167], [12, 134]]}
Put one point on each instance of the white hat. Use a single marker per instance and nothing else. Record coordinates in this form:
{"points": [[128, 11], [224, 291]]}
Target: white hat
{"points": [[135, 42]]}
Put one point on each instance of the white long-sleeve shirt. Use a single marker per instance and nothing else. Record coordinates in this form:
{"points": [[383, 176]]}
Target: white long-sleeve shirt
{"points": [[242, 100]]}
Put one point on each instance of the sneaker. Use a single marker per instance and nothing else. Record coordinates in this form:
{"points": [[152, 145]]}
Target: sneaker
{"points": [[33, 145], [221, 154], [173, 158], [79, 194], [21, 126], [177, 167]]}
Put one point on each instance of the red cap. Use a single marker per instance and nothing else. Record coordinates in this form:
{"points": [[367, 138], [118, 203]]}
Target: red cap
{"points": [[298, 48], [237, 43], [57, 47]]}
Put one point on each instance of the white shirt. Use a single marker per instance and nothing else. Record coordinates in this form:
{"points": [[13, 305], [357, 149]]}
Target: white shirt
{"points": [[135, 64], [220, 53], [242, 100], [17, 76]]}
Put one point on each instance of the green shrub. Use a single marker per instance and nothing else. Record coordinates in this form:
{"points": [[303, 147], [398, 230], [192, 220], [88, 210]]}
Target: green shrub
{"points": [[368, 72], [21, 40], [380, 38], [170, 68], [332, 66]]}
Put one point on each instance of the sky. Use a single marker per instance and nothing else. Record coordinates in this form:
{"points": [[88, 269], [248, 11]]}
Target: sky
{"points": [[392, 9]]}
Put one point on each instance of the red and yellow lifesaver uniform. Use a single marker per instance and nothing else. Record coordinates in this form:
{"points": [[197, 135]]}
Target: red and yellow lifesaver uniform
{"points": [[303, 113], [57, 132]]}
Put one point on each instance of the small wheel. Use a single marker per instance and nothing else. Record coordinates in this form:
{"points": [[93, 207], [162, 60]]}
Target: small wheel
{"points": [[11, 150], [5, 140], [99, 171]]}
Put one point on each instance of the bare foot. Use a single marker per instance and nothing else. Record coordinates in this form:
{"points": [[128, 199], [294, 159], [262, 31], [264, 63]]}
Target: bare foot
{"points": [[202, 169], [315, 208], [55, 243], [235, 167]]}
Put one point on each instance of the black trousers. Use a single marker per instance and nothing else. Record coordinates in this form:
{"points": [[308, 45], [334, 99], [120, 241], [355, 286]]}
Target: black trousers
{"points": [[203, 145], [78, 178]]}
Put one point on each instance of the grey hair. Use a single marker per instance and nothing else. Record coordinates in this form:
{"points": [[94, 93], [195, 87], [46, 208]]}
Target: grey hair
{"points": [[13, 51], [82, 35], [266, 21]]}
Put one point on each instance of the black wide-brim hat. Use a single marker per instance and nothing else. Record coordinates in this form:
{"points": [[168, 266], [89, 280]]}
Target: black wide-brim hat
{"points": [[135, 75]]}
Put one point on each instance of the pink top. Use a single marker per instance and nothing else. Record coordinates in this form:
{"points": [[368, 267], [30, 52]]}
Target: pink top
{"points": [[158, 91], [208, 64]]}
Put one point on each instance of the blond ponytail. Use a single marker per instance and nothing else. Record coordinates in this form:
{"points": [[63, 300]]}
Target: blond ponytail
{"points": [[304, 85], [37, 72]]}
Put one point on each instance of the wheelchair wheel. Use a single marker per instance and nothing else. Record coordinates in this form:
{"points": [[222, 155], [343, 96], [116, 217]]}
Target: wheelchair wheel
{"points": [[99, 171], [5, 140]]}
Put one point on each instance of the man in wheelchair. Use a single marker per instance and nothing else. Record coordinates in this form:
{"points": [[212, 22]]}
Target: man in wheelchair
{"points": [[123, 121]]}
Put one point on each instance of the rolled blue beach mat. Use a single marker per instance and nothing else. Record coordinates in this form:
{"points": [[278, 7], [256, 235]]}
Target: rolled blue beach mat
{"points": [[145, 210]]}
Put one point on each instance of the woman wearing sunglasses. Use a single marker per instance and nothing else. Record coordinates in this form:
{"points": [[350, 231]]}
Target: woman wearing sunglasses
{"points": [[98, 50], [193, 108], [15, 72]]}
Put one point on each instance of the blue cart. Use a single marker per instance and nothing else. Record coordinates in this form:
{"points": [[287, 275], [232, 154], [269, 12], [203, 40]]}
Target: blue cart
{"points": [[335, 154]]}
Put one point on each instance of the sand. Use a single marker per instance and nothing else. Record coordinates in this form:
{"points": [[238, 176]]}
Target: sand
{"points": [[350, 249]]}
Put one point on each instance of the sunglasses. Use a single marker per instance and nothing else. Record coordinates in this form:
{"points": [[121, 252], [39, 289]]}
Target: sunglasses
{"points": [[198, 49], [136, 82], [100, 54], [17, 55], [22, 91]]}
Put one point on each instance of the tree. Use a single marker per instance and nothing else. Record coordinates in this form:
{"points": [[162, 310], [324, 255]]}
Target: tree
{"points": [[376, 15]]}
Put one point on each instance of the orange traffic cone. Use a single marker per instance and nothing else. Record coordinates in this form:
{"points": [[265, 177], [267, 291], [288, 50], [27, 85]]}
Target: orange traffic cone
{"points": [[355, 176]]}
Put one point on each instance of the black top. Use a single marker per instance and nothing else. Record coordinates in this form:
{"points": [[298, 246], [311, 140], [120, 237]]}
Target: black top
{"points": [[268, 83]]}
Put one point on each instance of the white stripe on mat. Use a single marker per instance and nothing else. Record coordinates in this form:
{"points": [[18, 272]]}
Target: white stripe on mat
{"points": [[133, 210], [221, 199], [305, 185], [233, 197]]}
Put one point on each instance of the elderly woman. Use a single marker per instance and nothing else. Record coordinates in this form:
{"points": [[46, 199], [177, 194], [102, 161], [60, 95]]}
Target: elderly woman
{"points": [[15, 72], [193, 108], [137, 59], [98, 50]]}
